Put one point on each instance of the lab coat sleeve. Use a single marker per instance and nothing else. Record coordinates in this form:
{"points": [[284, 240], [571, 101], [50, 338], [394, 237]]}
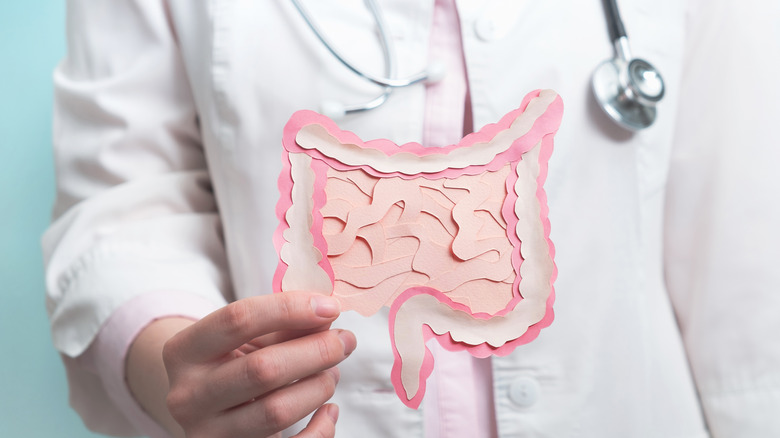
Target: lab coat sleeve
{"points": [[135, 214], [722, 238]]}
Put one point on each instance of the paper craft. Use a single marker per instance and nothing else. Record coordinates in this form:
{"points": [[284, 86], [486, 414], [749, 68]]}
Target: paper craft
{"points": [[454, 240]]}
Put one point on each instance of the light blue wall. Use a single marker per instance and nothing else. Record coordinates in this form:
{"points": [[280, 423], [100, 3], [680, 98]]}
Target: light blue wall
{"points": [[33, 393]]}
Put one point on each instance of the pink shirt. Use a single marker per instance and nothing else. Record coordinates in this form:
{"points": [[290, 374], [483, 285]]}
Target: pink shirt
{"points": [[459, 400]]}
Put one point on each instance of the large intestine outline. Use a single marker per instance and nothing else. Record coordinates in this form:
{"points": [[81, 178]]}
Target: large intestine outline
{"points": [[459, 251]]}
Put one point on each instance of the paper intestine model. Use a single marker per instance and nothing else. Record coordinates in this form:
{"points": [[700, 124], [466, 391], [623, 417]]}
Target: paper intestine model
{"points": [[454, 240]]}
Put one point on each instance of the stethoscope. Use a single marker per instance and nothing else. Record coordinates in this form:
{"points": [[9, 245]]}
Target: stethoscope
{"points": [[626, 88], [334, 109]]}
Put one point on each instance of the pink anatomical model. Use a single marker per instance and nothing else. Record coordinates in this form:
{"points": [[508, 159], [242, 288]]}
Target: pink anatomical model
{"points": [[454, 240]]}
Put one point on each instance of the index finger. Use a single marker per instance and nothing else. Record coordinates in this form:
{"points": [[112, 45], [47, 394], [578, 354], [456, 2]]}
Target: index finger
{"points": [[230, 327]]}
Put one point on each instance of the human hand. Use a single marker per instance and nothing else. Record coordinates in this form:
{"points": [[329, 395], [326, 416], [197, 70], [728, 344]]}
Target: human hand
{"points": [[257, 366]]}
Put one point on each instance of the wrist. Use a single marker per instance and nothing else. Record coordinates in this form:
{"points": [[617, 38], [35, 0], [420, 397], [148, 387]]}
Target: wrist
{"points": [[145, 372]]}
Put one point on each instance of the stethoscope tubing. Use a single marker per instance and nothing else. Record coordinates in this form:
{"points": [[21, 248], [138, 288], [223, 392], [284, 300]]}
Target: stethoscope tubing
{"points": [[388, 80], [615, 24], [621, 85]]}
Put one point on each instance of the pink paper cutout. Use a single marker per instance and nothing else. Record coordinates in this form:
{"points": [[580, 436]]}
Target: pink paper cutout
{"points": [[431, 232]]}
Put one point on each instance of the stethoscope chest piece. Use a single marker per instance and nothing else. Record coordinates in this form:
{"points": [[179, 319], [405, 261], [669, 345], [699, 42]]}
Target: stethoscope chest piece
{"points": [[628, 91], [626, 88]]}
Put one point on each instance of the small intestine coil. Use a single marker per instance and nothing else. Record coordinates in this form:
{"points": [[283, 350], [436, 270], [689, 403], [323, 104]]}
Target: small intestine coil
{"points": [[455, 241]]}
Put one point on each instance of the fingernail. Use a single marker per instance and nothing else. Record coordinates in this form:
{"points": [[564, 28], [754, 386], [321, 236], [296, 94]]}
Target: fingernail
{"points": [[325, 306], [349, 341], [333, 412]]}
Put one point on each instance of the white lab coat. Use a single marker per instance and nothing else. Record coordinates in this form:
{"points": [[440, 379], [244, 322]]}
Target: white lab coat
{"points": [[168, 125]]}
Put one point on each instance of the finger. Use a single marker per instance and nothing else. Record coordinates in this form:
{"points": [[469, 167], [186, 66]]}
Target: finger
{"points": [[226, 329], [322, 423], [279, 337], [281, 408], [273, 367]]}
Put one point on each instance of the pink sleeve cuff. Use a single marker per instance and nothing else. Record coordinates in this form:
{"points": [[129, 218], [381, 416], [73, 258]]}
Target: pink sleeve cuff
{"points": [[106, 355]]}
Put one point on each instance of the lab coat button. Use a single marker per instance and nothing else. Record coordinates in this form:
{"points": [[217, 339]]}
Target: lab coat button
{"points": [[524, 391], [486, 29]]}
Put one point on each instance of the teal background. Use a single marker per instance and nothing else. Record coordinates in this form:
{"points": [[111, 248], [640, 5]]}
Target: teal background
{"points": [[33, 391]]}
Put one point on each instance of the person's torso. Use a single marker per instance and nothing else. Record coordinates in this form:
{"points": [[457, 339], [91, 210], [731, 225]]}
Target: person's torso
{"points": [[612, 364]]}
